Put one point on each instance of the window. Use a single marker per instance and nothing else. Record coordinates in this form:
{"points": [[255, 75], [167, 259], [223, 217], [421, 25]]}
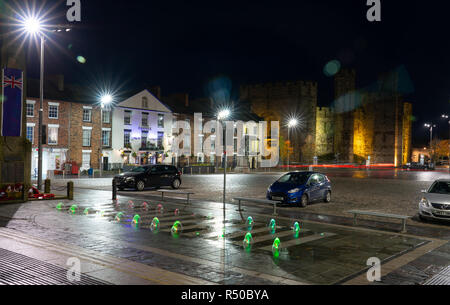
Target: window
{"points": [[30, 133], [106, 138], [87, 115], [30, 110], [160, 139], [53, 111], [144, 139], [53, 135], [86, 162], [106, 117], [87, 137], [127, 118], [126, 138], [160, 120], [144, 102], [144, 119]]}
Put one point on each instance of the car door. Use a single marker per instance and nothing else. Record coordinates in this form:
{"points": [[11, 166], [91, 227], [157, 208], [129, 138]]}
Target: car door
{"points": [[154, 179], [323, 186], [314, 187], [166, 175]]}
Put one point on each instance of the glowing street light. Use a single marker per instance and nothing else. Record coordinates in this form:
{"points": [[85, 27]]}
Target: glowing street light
{"points": [[32, 25], [293, 123], [221, 116], [105, 100]]}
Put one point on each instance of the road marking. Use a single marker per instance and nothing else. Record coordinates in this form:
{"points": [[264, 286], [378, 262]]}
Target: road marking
{"points": [[300, 241]]}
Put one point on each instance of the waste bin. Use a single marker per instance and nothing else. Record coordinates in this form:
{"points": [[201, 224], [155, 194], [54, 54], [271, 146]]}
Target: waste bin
{"points": [[91, 172]]}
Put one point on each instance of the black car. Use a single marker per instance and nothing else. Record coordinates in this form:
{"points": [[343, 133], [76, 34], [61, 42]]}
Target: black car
{"points": [[149, 176], [419, 166]]}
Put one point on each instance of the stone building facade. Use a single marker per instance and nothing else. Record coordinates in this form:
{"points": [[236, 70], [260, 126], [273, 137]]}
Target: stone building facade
{"points": [[279, 101], [361, 124]]}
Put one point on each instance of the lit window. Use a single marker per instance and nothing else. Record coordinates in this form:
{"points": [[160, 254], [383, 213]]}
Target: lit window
{"points": [[160, 120], [126, 138], [160, 139], [106, 117], [87, 115], [86, 162], [53, 135], [127, 118], [30, 133], [106, 138], [144, 119], [87, 137], [144, 139], [53, 111]]}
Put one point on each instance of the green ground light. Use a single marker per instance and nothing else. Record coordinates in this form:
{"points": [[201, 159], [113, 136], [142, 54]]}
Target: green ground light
{"points": [[273, 226], [59, 206], [276, 247], [86, 211], [136, 220], [73, 209], [119, 216]]}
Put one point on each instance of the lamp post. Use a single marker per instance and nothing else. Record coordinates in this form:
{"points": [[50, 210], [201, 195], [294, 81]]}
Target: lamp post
{"points": [[431, 127], [223, 115], [446, 117], [105, 101], [291, 124], [33, 27]]}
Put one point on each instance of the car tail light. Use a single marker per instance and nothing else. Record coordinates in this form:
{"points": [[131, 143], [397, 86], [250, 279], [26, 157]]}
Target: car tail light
{"points": [[180, 173]]}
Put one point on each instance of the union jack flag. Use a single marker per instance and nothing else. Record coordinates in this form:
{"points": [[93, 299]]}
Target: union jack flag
{"points": [[12, 82]]}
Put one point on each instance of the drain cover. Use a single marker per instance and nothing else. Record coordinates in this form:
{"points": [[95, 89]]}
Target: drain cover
{"points": [[442, 278], [18, 269]]}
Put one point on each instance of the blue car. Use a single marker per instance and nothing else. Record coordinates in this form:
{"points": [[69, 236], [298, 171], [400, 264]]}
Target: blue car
{"points": [[301, 188]]}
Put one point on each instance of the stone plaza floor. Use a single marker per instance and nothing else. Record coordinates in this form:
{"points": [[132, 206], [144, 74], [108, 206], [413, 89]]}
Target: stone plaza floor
{"points": [[117, 251]]}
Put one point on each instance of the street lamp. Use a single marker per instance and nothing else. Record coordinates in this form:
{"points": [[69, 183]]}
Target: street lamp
{"points": [[293, 123], [34, 26], [223, 115], [446, 117], [431, 126], [105, 101]]}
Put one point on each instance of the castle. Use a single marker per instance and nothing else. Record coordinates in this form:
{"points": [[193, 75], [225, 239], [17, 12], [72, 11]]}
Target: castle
{"points": [[372, 122]]}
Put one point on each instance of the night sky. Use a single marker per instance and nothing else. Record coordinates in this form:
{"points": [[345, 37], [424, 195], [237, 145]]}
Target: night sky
{"points": [[183, 45]]}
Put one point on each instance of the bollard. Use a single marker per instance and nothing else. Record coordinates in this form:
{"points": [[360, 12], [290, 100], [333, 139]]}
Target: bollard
{"points": [[275, 209], [114, 189], [47, 186], [70, 190]]}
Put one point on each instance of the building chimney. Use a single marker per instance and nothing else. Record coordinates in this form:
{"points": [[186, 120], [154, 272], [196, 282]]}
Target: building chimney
{"points": [[156, 91]]}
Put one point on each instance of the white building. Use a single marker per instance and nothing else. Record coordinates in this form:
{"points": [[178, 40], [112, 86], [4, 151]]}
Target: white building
{"points": [[141, 132]]}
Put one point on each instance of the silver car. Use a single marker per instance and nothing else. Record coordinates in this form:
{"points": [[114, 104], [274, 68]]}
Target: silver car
{"points": [[435, 203]]}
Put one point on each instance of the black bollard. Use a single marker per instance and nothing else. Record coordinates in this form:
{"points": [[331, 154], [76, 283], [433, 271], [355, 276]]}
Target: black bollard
{"points": [[70, 190], [47, 186], [114, 189]]}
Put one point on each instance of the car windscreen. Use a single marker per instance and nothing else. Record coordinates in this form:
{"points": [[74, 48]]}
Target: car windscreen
{"points": [[440, 188], [294, 178], [139, 169]]}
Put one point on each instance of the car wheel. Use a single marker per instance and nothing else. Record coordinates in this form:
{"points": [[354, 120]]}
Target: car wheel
{"points": [[304, 201], [327, 198], [176, 184], [423, 219], [140, 185]]}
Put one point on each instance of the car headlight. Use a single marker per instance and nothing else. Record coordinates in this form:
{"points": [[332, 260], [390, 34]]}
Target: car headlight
{"points": [[425, 202], [130, 179], [294, 191]]}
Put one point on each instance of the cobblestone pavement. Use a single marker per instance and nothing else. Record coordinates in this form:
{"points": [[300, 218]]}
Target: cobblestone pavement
{"points": [[397, 192], [326, 250]]}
